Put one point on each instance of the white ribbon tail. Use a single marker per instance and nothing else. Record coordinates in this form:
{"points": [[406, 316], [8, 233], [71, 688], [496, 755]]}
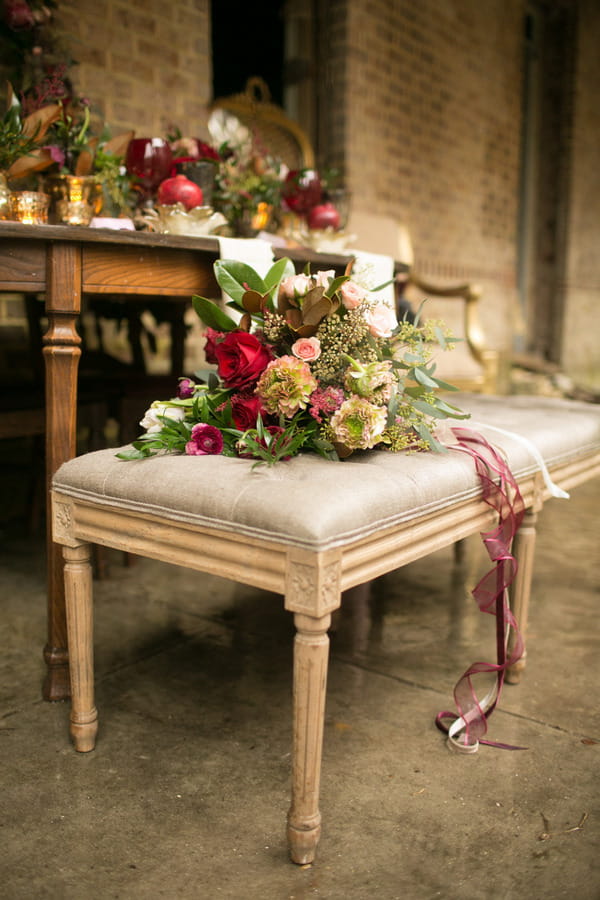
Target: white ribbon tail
{"points": [[554, 489]]}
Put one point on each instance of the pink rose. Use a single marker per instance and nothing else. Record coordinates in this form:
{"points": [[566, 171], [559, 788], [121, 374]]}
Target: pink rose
{"points": [[352, 294], [307, 349], [381, 320], [322, 279], [295, 286]]}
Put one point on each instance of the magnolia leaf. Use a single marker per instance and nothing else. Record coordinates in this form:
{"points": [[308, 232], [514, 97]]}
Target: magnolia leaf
{"points": [[253, 302], [36, 161], [342, 450], [235, 278], [279, 270], [37, 123], [245, 322], [294, 318], [118, 145], [212, 315], [85, 160], [317, 312], [335, 285]]}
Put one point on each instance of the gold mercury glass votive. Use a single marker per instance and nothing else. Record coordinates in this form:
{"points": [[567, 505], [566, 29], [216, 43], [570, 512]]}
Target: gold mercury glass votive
{"points": [[29, 207]]}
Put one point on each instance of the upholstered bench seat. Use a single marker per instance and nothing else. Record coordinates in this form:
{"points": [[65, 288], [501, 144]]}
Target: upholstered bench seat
{"points": [[308, 529]]}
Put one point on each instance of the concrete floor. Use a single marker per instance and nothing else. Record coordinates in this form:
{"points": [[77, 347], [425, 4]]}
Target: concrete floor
{"points": [[187, 791]]}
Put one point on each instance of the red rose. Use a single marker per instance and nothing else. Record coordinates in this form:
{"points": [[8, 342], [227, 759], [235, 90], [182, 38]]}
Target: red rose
{"points": [[246, 408], [212, 337], [241, 359]]}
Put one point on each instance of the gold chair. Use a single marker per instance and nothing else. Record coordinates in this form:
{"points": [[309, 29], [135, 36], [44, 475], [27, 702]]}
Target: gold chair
{"points": [[477, 369], [280, 135]]}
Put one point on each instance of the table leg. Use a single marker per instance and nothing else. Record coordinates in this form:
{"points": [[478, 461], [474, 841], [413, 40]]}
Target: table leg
{"points": [[61, 355], [311, 652]]}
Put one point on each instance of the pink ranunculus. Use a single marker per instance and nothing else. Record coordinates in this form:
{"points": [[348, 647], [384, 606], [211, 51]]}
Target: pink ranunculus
{"points": [[205, 440], [307, 349], [295, 286], [381, 320], [352, 294]]}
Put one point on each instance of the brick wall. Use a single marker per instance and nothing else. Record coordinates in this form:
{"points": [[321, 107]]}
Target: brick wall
{"points": [[581, 323], [144, 64], [433, 134]]}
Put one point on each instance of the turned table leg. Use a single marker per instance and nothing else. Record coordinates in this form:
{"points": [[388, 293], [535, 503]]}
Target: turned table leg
{"points": [[79, 608], [61, 354], [524, 551], [311, 653]]}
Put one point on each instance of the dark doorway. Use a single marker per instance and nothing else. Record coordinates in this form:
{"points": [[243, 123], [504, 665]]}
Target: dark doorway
{"points": [[247, 42]]}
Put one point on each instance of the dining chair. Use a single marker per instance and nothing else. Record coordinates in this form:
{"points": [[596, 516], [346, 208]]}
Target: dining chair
{"points": [[284, 138]]}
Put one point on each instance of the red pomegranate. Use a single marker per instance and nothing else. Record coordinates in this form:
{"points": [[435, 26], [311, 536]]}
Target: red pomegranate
{"points": [[302, 190], [325, 215], [179, 189]]}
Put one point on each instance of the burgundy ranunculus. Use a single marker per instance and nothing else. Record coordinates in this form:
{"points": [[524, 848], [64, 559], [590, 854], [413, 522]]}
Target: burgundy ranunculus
{"points": [[205, 440], [245, 409], [241, 359], [212, 337], [186, 388]]}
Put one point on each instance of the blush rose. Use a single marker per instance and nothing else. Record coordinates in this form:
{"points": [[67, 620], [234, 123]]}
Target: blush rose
{"points": [[352, 294], [381, 320], [307, 349]]}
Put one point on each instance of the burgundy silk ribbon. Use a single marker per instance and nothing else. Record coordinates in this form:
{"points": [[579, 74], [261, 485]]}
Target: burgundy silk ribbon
{"points": [[501, 492]]}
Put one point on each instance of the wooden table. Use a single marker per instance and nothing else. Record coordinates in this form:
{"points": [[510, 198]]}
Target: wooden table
{"points": [[65, 263]]}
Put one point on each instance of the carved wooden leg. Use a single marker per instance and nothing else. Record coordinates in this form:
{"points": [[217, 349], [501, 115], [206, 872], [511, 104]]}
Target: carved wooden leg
{"points": [[311, 652], [61, 355], [524, 551], [79, 606]]}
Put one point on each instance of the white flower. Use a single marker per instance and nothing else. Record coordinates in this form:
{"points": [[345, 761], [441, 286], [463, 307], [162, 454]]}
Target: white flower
{"points": [[152, 423]]}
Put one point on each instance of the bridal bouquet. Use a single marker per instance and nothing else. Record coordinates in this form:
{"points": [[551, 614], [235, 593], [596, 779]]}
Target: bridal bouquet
{"points": [[304, 363]]}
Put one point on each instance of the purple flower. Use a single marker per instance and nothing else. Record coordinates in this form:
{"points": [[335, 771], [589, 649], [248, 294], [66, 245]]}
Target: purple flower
{"points": [[204, 440], [186, 388]]}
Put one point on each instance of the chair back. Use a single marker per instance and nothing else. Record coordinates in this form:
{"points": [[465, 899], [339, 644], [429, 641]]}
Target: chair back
{"points": [[279, 135]]}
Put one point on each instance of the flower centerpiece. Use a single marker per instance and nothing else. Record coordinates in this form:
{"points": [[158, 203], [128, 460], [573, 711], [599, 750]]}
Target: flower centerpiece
{"points": [[248, 179], [310, 363], [88, 171], [20, 138]]}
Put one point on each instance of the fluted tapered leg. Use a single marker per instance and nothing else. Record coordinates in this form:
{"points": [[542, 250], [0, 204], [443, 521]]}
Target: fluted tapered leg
{"points": [[79, 603], [524, 552], [311, 654]]}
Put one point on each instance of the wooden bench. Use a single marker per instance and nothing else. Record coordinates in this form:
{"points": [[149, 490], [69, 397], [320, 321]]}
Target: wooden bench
{"points": [[308, 529]]}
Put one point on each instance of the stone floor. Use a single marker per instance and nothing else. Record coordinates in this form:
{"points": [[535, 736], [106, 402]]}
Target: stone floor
{"points": [[187, 791]]}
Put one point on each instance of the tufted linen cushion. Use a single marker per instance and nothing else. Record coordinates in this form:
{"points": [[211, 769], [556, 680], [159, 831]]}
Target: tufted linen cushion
{"points": [[317, 504]]}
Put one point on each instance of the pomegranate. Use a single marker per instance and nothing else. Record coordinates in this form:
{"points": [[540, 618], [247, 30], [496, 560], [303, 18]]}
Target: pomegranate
{"points": [[325, 215], [179, 189], [302, 190]]}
